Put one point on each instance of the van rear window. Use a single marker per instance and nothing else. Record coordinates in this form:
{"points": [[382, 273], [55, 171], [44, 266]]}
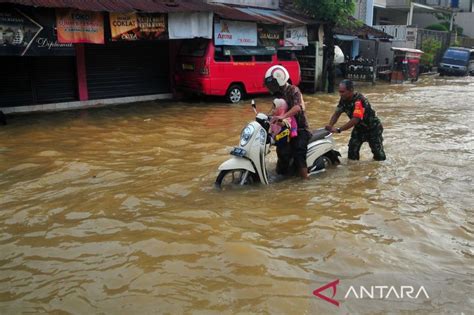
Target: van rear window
{"points": [[194, 47], [249, 51]]}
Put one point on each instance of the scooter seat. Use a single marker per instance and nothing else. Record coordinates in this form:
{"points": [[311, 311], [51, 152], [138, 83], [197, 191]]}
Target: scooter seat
{"points": [[319, 134]]}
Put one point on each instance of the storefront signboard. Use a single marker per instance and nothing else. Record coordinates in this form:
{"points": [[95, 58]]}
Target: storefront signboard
{"points": [[296, 36], [75, 26], [270, 35], [138, 26], [28, 32], [235, 33]]}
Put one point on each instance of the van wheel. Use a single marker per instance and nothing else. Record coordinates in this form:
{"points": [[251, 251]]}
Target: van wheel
{"points": [[235, 93]]}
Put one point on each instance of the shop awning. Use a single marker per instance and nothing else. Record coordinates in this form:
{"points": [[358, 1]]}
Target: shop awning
{"points": [[265, 16], [345, 37]]}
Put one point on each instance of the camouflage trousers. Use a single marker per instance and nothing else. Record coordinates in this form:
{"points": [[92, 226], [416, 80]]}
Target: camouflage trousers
{"points": [[373, 136]]}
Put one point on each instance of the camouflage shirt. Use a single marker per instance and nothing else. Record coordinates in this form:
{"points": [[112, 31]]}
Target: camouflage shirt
{"points": [[359, 107], [293, 96]]}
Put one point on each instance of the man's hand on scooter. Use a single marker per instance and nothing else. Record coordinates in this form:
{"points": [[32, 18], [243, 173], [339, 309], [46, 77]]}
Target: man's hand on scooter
{"points": [[331, 129]]}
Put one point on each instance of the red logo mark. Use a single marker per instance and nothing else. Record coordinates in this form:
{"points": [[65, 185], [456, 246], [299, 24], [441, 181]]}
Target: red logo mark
{"points": [[332, 285]]}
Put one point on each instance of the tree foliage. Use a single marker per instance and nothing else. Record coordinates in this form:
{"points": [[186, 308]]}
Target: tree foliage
{"points": [[445, 20], [437, 27], [330, 13], [335, 12], [430, 47]]}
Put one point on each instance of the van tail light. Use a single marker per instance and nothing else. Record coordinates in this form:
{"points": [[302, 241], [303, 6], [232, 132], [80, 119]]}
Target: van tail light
{"points": [[204, 69]]}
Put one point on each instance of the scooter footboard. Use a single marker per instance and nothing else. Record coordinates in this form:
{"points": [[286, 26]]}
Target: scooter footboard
{"points": [[236, 163]]}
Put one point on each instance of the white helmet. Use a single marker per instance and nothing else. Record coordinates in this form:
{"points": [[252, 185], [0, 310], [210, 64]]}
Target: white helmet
{"points": [[276, 77]]}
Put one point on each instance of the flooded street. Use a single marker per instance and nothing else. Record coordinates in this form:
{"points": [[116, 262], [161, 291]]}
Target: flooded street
{"points": [[113, 210]]}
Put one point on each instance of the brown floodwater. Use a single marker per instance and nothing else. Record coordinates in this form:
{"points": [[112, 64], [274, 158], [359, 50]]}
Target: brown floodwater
{"points": [[113, 210]]}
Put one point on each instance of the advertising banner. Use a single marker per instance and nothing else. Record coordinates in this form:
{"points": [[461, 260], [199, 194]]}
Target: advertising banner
{"points": [[270, 35], [296, 36], [235, 33], [75, 26], [138, 26], [28, 32]]}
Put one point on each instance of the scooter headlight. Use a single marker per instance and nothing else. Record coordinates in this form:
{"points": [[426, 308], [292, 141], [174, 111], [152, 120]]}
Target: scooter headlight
{"points": [[246, 135]]}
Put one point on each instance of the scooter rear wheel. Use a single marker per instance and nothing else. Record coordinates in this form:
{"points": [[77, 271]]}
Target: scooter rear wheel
{"points": [[228, 179]]}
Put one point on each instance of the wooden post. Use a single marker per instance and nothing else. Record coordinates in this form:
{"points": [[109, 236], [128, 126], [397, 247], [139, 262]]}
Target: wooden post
{"points": [[81, 72]]}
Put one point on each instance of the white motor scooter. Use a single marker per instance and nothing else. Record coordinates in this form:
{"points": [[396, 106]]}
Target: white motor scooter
{"points": [[248, 164]]}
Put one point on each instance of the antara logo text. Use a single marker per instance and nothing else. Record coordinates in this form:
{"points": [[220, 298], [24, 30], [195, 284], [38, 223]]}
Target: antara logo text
{"points": [[371, 292]]}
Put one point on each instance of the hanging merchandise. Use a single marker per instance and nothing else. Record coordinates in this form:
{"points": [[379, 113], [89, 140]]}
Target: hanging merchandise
{"points": [[30, 32], [296, 36], [182, 25], [75, 26], [137, 26], [235, 33]]}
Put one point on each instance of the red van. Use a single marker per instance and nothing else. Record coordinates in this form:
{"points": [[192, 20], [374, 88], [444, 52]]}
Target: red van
{"points": [[230, 71]]}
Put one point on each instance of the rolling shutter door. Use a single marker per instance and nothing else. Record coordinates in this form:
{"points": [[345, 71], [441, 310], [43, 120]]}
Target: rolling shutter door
{"points": [[120, 69], [55, 79], [37, 80], [15, 82]]}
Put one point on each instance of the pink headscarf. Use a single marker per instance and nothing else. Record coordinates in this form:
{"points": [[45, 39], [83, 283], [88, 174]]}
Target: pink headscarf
{"points": [[281, 107]]}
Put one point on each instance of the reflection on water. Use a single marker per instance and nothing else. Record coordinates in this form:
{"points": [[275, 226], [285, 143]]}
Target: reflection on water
{"points": [[113, 210]]}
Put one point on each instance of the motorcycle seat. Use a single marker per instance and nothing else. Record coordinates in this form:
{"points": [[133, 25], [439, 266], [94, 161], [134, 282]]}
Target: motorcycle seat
{"points": [[319, 134]]}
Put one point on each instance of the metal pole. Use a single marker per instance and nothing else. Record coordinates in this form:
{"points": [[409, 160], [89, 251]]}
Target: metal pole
{"points": [[410, 14], [451, 22]]}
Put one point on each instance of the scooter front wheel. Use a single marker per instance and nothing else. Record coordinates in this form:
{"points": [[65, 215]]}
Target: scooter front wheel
{"points": [[233, 178]]}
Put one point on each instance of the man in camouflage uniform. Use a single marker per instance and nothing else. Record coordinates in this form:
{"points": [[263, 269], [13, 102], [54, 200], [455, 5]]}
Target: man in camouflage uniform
{"points": [[367, 126]]}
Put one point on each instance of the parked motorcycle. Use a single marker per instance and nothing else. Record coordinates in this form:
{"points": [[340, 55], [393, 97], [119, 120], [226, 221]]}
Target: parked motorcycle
{"points": [[248, 162]]}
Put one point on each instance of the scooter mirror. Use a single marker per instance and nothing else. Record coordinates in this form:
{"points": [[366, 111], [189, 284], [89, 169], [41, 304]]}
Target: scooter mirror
{"points": [[254, 106]]}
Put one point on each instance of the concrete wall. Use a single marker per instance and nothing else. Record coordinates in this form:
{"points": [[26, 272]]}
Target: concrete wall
{"points": [[463, 19], [367, 51], [390, 17], [360, 11]]}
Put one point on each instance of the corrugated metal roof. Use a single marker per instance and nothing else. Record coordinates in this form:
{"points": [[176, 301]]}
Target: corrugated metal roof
{"points": [[260, 15], [363, 31], [121, 5], [224, 11]]}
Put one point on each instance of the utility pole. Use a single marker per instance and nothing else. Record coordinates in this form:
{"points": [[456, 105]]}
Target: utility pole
{"points": [[454, 6]]}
